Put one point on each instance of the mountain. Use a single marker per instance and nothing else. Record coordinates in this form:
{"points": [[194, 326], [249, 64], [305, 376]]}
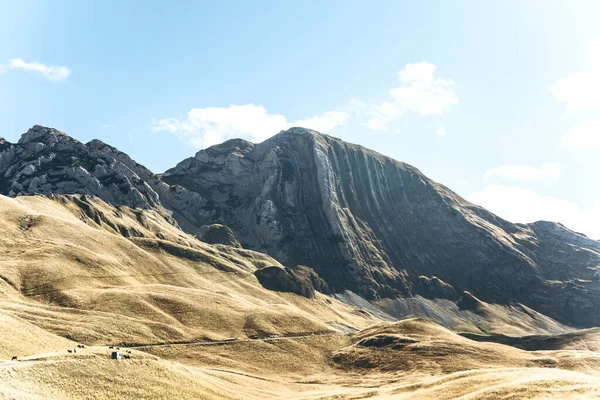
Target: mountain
{"points": [[364, 222], [381, 228]]}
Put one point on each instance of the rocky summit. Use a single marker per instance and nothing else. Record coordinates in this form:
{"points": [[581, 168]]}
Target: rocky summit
{"points": [[362, 221], [48, 161]]}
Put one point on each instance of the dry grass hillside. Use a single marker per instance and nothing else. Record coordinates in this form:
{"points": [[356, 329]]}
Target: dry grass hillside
{"points": [[195, 323], [86, 271]]}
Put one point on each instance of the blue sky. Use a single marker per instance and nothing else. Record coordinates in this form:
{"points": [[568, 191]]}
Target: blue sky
{"points": [[498, 100]]}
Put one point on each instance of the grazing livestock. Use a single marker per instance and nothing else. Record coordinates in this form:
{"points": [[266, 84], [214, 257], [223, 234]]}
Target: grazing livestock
{"points": [[70, 351], [14, 358]]}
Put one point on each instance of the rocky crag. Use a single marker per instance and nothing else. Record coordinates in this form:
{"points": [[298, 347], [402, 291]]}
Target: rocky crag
{"points": [[364, 222], [48, 161]]}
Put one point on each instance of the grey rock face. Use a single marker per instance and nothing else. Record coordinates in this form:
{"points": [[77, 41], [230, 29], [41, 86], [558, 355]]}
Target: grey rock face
{"points": [[381, 228], [281, 197], [48, 161]]}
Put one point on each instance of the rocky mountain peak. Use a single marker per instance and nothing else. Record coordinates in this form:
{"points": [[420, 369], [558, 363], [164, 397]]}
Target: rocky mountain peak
{"points": [[234, 147], [561, 232], [4, 144], [43, 134], [48, 161], [297, 130], [297, 136], [98, 144]]}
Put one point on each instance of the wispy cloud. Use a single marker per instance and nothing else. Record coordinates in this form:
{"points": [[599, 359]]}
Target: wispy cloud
{"points": [[203, 127], [583, 136], [420, 91], [325, 122], [49, 72], [548, 172], [517, 204], [580, 91]]}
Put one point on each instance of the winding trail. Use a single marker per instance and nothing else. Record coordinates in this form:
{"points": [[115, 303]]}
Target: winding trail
{"points": [[47, 358], [231, 341]]}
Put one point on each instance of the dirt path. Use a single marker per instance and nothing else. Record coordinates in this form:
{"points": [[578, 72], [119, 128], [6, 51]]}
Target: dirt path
{"points": [[231, 341], [55, 357], [34, 359]]}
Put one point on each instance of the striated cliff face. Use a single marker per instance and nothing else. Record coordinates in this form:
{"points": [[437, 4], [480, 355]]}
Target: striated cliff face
{"points": [[381, 228], [362, 221], [283, 197]]}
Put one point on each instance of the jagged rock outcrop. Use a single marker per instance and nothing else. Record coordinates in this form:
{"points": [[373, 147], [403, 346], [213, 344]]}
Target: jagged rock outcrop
{"points": [[48, 161], [217, 234], [469, 302], [300, 280], [434, 288]]}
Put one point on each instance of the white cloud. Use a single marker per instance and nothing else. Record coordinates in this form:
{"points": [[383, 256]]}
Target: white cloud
{"points": [[420, 92], [441, 131], [583, 136], [323, 123], [355, 104], [521, 205], [548, 172], [580, 91], [382, 114], [50, 72], [205, 127]]}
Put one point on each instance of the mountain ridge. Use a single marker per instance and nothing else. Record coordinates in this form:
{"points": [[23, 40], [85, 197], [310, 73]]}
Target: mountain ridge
{"points": [[363, 221]]}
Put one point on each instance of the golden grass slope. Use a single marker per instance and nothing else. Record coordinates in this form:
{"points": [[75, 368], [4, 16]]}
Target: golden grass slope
{"points": [[76, 270], [422, 361], [67, 268], [420, 345], [20, 337], [92, 374], [199, 325]]}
